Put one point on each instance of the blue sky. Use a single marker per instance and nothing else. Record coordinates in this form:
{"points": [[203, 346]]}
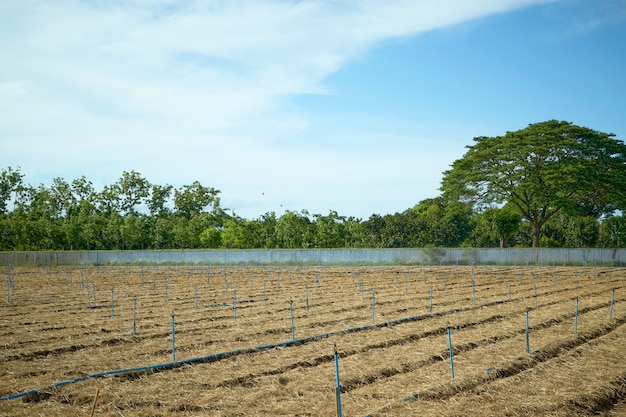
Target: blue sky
{"points": [[353, 106]]}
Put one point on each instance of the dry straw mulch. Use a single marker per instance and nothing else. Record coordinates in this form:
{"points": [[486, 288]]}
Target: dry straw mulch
{"points": [[54, 331]]}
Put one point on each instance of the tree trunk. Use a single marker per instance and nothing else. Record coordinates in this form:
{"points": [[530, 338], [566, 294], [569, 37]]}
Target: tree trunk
{"points": [[503, 241], [536, 233]]}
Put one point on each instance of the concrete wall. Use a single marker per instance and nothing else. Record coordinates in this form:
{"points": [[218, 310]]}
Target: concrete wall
{"points": [[321, 256]]}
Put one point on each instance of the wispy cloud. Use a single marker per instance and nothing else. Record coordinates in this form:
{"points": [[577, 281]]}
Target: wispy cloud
{"points": [[190, 90]]}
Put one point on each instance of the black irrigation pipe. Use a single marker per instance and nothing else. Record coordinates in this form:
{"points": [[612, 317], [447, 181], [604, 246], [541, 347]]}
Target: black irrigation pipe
{"points": [[220, 356], [224, 355], [540, 359]]}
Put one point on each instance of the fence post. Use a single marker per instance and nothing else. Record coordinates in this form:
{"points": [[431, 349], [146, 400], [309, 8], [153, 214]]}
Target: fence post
{"points": [[173, 338], [527, 333], [451, 352], [576, 317], [473, 288], [134, 315], [556, 280], [293, 329], [338, 384], [10, 285], [373, 303], [362, 291], [307, 298], [431, 299]]}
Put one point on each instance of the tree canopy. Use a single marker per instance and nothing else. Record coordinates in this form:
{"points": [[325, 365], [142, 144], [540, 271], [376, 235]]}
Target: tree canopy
{"points": [[552, 184], [542, 170]]}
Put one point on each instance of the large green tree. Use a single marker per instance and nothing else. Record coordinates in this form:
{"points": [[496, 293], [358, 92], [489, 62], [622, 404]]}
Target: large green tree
{"points": [[541, 170], [613, 232], [294, 230], [330, 231], [10, 185], [494, 226], [440, 223]]}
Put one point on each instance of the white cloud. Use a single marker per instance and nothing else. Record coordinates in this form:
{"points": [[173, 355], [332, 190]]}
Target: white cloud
{"points": [[191, 90]]}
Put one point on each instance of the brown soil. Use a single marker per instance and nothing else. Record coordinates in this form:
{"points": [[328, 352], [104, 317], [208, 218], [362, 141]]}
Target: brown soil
{"points": [[54, 331]]}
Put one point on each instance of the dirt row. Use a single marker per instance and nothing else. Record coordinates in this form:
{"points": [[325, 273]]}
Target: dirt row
{"points": [[400, 363]]}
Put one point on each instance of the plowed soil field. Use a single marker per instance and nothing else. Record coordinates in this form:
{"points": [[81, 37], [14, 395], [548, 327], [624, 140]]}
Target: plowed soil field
{"points": [[268, 340]]}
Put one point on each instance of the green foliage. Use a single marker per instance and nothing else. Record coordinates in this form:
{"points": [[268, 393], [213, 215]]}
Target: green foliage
{"points": [[330, 231], [191, 200], [494, 227], [542, 170], [431, 223], [294, 230], [211, 238], [572, 231], [132, 189], [73, 215], [389, 231], [157, 201], [441, 224], [242, 234], [498, 194], [613, 232], [10, 186]]}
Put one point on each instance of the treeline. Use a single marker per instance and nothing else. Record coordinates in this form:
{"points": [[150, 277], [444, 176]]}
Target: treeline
{"points": [[133, 213]]}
